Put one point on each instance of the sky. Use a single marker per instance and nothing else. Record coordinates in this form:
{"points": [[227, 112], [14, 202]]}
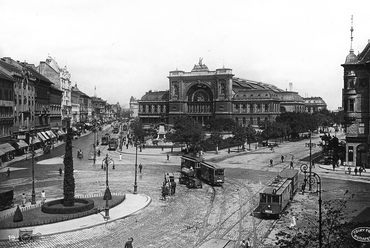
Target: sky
{"points": [[127, 47]]}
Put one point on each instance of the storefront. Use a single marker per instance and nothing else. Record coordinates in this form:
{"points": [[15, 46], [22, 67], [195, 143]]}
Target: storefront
{"points": [[20, 147], [8, 152]]}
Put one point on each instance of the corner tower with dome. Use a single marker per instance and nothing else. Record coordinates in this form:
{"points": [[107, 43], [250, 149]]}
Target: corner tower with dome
{"points": [[356, 105]]}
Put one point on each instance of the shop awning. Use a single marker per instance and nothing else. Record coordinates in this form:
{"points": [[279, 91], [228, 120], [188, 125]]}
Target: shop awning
{"points": [[46, 136], [51, 134], [22, 144], [41, 136], [35, 140], [6, 147], [61, 132]]}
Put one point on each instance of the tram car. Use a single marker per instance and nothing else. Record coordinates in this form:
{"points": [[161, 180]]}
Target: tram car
{"points": [[278, 193], [113, 144], [212, 173], [105, 139], [191, 162]]}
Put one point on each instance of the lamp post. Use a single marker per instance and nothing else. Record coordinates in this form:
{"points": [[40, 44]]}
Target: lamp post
{"points": [[33, 196], [312, 179], [94, 158], [135, 183], [107, 194]]}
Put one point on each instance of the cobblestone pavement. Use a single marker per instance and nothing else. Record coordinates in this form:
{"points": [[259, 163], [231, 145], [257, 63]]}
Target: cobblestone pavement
{"points": [[186, 219]]}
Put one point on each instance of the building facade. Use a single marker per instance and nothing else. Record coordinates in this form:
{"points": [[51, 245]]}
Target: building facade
{"points": [[355, 96], [6, 106], [203, 94], [314, 104]]}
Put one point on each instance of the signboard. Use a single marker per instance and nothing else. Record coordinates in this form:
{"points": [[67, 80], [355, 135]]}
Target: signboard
{"points": [[21, 136]]}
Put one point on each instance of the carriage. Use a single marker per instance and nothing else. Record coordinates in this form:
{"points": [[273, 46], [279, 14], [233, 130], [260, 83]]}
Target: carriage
{"points": [[278, 193]]}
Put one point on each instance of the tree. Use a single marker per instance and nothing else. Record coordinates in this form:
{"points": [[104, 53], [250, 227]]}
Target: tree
{"points": [[251, 134], [138, 130], [335, 228], [69, 180], [186, 130]]}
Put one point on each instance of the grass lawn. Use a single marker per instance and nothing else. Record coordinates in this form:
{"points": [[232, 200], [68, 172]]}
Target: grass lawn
{"points": [[34, 217]]}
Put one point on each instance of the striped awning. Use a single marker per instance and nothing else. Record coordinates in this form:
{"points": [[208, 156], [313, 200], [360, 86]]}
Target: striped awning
{"points": [[6, 147], [45, 135], [35, 140], [41, 136], [51, 134]]}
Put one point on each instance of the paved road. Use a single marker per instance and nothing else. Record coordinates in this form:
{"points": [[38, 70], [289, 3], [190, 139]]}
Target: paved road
{"points": [[190, 216]]}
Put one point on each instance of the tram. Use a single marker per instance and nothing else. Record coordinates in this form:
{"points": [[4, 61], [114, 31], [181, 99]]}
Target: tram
{"points": [[113, 144], [212, 173], [105, 139], [278, 193], [209, 172]]}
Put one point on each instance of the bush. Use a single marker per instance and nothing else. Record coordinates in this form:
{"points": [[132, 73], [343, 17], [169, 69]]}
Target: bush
{"points": [[18, 216], [56, 206]]}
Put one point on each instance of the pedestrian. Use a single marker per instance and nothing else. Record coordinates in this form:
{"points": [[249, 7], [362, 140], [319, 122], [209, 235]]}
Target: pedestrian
{"points": [[60, 171], [360, 170], [99, 153], [355, 171], [333, 166], [43, 196], [291, 165], [168, 156], [24, 199], [128, 244], [243, 244], [140, 167], [249, 243], [271, 162], [282, 158], [339, 162], [8, 173], [120, 157]]}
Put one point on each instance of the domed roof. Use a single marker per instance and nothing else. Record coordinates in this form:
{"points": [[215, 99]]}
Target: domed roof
{"points": [[351, 58], [291, 96]]}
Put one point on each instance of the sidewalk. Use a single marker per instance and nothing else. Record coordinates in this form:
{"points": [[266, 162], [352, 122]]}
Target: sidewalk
{"points": [[342, 170], [131, 205]]}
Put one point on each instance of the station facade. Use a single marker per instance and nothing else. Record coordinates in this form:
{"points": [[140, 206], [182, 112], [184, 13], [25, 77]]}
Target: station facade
{"points": [[203, 94]]}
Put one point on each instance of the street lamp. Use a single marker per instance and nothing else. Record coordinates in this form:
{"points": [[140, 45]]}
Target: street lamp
{"points": [[33, 196], [310, 167], [312, 179], [94, 150], [107, 194], [135, 183]]}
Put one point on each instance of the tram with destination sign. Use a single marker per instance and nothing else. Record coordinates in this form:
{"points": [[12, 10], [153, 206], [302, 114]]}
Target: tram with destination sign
{"points": [[278, 193]]}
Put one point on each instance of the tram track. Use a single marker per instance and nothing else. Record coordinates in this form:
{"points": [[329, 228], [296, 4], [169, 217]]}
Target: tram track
{"points": [[224, 228]]}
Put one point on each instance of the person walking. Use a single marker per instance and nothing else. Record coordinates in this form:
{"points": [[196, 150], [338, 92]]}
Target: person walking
{"points": [[271, 162], [243, 244], [291, 165], [128, 244], [24, 199], [249, 243], [333, 166], [355, 171], [8, 173], [43, 196], [282, 158], [360, 170], [60, 171], [168, 156], [140, 167]]}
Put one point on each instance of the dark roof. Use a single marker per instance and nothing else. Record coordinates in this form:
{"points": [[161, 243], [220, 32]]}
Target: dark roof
{"points": [[37, 74], [364, 56], [6, 75], [10, 68], [239, 83], [156, 96]]}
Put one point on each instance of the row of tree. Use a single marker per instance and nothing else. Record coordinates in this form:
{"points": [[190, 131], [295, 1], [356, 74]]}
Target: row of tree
{"points": [[286, 126]]}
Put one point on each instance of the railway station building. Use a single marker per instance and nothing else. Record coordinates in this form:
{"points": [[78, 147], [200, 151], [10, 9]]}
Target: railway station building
{"points": [[204, 94]]}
